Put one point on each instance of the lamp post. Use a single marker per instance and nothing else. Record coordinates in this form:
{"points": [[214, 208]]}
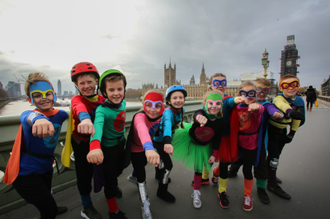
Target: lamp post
{"points": [[265, 62]]}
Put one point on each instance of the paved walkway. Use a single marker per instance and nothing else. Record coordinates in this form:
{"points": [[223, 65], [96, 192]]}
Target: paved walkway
{"points": [[304, 169]]}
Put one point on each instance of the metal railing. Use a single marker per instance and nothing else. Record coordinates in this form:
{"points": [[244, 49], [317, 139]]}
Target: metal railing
{"points": [[9, 199]]}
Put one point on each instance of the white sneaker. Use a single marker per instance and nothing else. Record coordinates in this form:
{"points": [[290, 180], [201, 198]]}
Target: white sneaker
{"points": [[197, 202], [146, 214], [133, 180]]}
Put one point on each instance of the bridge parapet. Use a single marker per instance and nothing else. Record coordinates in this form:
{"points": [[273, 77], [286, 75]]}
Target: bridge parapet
{"points": [[8, 128], [324, 99]]}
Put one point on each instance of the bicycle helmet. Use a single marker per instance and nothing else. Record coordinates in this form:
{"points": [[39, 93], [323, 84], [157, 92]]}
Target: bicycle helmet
{"points": [[83, 67], [107, 73], [174, 88]]}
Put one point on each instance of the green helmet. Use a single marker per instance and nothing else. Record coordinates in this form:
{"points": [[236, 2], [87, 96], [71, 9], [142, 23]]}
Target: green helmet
{"points": [[106, 74]]}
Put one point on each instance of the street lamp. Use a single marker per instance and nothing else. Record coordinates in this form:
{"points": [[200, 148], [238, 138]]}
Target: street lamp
{"points": [[265, 62]]}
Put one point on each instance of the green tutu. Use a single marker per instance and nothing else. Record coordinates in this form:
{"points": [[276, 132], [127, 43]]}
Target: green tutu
{"points": [[190, 154]]}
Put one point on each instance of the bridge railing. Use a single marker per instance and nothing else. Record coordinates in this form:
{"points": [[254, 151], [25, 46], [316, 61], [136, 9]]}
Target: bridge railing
{"points": [[324, 100], [9, 199]]}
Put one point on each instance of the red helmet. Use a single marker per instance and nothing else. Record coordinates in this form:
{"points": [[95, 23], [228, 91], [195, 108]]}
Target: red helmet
{"points": [[83, 67]]}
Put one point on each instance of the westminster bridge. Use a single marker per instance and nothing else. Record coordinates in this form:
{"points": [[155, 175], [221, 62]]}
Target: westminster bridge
{"points": [[304, 167]]}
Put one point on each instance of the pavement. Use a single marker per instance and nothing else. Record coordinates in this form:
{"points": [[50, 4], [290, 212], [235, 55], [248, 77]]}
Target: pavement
{"points": [[303, 167]]}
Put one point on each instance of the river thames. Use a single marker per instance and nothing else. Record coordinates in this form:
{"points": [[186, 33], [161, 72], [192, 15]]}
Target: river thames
{"points": [[15, 108]]}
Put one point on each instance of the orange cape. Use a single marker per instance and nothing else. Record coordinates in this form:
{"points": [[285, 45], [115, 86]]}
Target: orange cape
{"points": [[12, 168]]}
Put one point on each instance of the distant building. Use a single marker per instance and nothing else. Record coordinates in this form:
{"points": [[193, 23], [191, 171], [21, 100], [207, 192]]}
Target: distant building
{"points": [[289, 57], [192, 81], [59, 88], [66, 93], [197, 91], [325, 87], [13, 88]]}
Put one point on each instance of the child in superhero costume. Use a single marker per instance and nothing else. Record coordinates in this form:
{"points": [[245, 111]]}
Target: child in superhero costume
{"points": [[294, 115], [85, 77], [260, 167], [107, 144], [196, 146], [30, 167], [139, 147], [172, 116], [226, 153], [248, 116]]}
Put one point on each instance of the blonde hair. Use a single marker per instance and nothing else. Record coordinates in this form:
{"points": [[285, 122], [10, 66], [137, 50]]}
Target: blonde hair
{"points": [[32, 79], [247, 83], [214, 76], [284, 77], [212, 92], [264, 81]]}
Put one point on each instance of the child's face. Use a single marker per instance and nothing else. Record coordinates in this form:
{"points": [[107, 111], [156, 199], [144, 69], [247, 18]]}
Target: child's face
{"points": [[115, 91], [290, 87], [216, 86], [43, 104], [214, 107], [177, 99], [249, 89], [263, 90], [86, 85], [152, 111]]}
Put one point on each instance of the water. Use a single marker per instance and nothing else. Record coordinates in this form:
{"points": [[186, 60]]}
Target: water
{"points": [[15, 108]]}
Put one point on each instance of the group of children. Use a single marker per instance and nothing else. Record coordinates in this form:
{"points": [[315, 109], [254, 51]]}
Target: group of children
{"points": [[244, 130]]}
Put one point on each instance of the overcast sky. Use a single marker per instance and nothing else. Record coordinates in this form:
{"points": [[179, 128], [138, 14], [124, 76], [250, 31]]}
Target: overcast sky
{"points": [[139, 37]]}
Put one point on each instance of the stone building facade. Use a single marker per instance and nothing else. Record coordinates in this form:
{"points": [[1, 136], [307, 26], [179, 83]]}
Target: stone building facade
{"points": [[197, 91]]}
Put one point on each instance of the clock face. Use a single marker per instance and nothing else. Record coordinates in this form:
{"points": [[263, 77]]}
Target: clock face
{"points": [[288, 63]]}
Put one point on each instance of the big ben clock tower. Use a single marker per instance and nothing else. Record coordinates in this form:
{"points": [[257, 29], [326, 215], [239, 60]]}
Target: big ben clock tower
{"points": [[289, 57]]}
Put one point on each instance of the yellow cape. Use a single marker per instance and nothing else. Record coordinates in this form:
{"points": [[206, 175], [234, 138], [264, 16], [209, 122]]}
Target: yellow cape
{"points": [[67, 150]]}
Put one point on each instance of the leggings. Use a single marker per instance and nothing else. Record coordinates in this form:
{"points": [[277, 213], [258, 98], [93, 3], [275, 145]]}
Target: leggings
{"points": [[113, 167], [249, 157], [165, 157], [139, 161], [84, 170], [36, 189]]}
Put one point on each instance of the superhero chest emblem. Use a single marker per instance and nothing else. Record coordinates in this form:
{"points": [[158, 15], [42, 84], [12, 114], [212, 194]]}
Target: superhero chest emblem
{"points": [[244, 120], [119, 123], [204, 133]]}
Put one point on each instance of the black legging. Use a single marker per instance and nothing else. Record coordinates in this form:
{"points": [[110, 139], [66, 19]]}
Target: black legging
{"points": [[112, 164], [139, 161], [165, 157], [36, 189], [84, 170], [249, 157]]}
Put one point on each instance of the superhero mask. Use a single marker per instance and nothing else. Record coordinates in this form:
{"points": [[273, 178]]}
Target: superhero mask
{"points": [[263, 90], [42, 87], [252, 93], [219, 83], [154, 98], [294, 84], [215, 99]]}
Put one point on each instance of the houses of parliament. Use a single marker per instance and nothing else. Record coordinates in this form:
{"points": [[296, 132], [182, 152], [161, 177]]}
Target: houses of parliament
{"points": [[194, 91]]}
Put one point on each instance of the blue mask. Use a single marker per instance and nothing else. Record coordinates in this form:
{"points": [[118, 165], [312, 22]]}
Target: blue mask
{"points": [[42, 87]]}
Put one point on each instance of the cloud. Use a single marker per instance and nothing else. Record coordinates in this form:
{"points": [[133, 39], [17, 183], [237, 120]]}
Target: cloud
{"points": [[140, 37]]}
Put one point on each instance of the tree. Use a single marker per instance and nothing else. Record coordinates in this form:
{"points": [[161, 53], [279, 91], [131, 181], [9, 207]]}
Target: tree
{"points": [[3, 94], [133, 93]]}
